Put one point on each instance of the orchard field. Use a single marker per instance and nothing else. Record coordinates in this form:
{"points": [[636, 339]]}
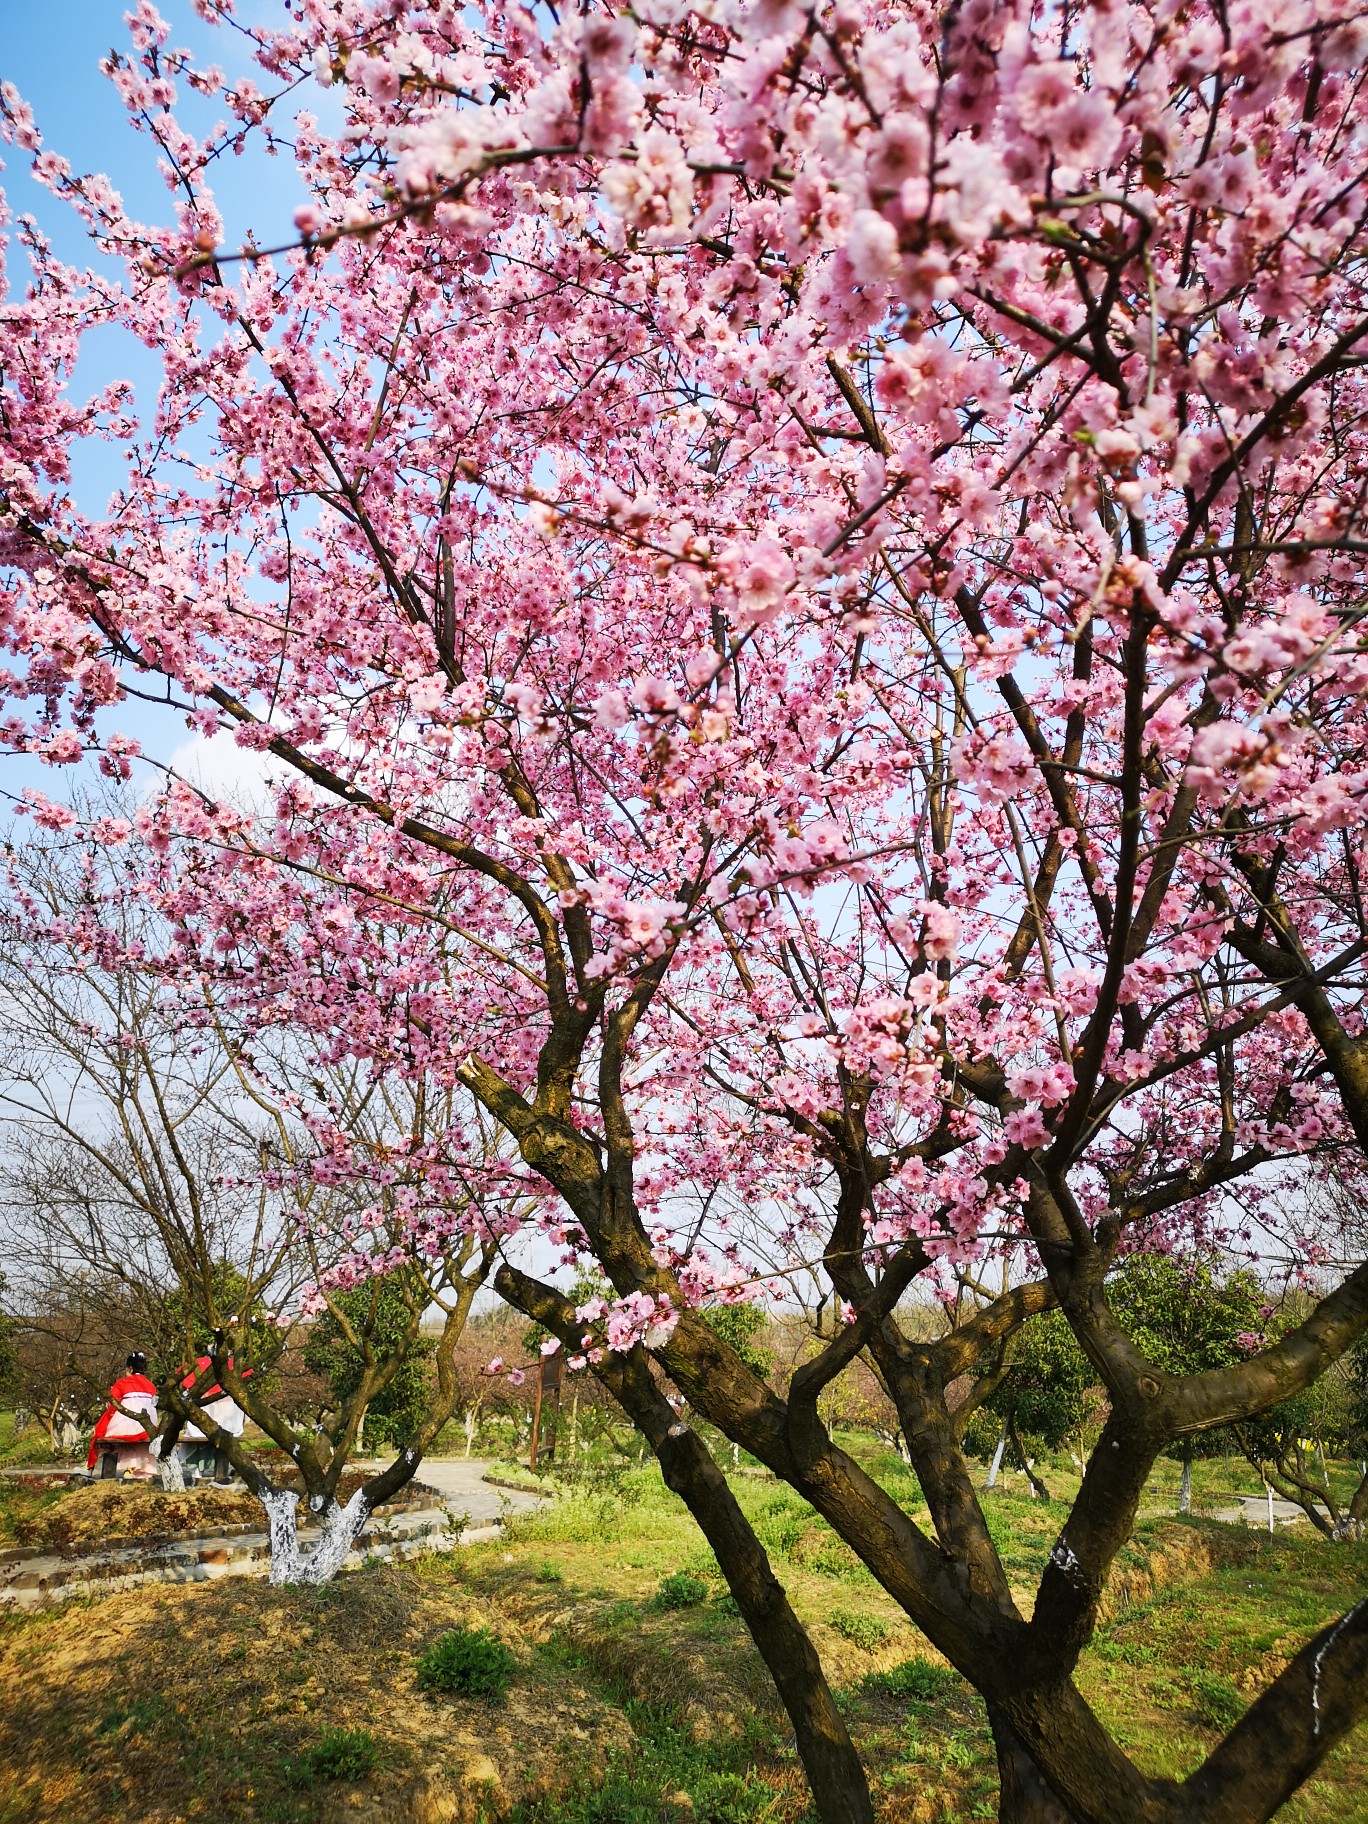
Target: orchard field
{"points": [[695, 671], [633, 1695]]}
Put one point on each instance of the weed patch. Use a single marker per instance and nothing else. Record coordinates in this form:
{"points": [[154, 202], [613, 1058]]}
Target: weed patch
{"points": [[338, 1754], [467, 1662], [920, 1680], [680, 1590], [861, 1630]]}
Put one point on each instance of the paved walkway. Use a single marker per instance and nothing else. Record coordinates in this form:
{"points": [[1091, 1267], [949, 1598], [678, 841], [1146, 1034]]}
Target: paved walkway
{"points": [[1253, 1511], [460, 1481]]}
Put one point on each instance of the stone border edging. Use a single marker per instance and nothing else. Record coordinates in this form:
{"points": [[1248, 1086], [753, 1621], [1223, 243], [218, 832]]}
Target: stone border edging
{"points": [[227, 1529], [33, 1590], [519, 1488]]}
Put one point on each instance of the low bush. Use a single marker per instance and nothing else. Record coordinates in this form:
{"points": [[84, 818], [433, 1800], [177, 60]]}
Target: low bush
{"points": [[865, 1631], [681, 1590], [339, 1754], [468, 1662]]}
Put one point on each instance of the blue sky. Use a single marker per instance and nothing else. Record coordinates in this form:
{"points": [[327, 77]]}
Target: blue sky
{"points": [[52, 53]]}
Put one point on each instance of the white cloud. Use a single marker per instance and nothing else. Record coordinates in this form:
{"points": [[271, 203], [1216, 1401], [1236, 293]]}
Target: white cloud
{"points": [[219, 767]]}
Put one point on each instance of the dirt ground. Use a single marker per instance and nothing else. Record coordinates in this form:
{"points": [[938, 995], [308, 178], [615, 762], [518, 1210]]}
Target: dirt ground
{"points": [[203, 1703], [110, 1513]]}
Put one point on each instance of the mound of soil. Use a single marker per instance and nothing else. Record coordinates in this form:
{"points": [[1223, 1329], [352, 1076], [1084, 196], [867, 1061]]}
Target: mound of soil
{"points": [[114, 1513], [209, 1703]]}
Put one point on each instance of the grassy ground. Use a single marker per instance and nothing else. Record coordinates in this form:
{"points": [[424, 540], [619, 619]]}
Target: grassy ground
{"points": [[636, 1697]]}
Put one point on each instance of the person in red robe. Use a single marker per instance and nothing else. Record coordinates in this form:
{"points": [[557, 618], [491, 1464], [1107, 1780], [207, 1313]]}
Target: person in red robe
{"points": [[124, 1430], [199, 1458]]}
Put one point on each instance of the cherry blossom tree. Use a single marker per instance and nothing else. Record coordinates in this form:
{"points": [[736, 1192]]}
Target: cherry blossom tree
{"points": [[799, 571]]}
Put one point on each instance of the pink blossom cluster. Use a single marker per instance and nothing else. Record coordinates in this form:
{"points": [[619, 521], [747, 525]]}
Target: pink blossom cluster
{"points": [[802, 564]]}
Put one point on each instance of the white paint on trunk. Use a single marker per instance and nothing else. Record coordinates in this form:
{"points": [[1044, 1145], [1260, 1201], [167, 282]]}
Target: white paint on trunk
{"points": [[1318, 1662], [997, 1460], [170, 1468], [1185, 1488], [1065, 1559], [338, 1530]]}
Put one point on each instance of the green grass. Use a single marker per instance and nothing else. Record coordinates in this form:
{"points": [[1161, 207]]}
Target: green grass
{"points": [[339, 1754], [588, 1579], [1168, 1675]]}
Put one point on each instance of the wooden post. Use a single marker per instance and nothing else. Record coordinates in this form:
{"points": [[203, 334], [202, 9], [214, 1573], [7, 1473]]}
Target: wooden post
{"points": [[536, 1415], [548, 1381]]}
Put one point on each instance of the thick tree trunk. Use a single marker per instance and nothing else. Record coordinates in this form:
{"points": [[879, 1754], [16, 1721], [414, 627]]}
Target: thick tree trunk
{"points": [[836, 1776], [1026, 1799], [839, 1789]]}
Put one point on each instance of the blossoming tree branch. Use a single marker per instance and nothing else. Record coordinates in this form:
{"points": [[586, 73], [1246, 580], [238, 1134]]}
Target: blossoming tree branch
{"points": [[799, 571]]}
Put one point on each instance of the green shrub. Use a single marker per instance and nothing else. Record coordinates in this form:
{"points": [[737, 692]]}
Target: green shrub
{"points": [[865, 1631], [467, 1661], [680, 1590], [918, 1679], [340, 1754], [546, 1572]]}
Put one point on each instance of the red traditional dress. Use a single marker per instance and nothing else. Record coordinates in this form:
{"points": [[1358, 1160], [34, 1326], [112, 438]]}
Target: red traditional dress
{"points": [[216, 1404], [129, 1432]]}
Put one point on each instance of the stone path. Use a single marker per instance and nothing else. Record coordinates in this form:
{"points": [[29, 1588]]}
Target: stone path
{"points": [[1252, 1510], [468, 1509], [462, 1484]]}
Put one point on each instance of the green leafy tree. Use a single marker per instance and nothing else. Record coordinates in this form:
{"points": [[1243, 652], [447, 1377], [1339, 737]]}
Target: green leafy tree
{"points": [[1187, 1318], [1045, 1377], [741, 1325], [1288, 1445], [183, 1323], [379, 1314]]}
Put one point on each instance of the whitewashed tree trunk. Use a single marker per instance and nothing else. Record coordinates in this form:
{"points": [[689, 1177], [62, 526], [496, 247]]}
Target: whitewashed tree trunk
{"points": [[471, 1421], [1185, 1488], [338, 1530], [170, 1467], [996, 1464]]}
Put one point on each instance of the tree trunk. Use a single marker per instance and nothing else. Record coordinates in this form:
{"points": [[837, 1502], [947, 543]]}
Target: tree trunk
{"points": [[339, 1528], [836, 1776], [1038, 1488], [1026, 1799], [840, 1791], [1185, 1488], [170, 1468]]}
